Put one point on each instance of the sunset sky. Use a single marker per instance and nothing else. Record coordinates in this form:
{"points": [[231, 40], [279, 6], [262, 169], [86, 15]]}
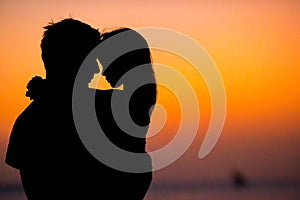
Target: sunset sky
{"points": [[254, 44]]}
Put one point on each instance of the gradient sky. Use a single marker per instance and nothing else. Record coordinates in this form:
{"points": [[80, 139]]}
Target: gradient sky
{"points": [[255, 44]]}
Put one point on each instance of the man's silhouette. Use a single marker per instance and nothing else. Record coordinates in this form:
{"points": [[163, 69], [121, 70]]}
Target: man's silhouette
{"points": [[44, 144]]}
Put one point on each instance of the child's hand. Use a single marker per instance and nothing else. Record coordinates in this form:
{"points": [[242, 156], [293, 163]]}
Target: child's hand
{"points": [[35, 87]]}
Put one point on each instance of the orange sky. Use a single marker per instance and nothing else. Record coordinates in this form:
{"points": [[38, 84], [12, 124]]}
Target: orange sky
{"points": [[256, 46]]}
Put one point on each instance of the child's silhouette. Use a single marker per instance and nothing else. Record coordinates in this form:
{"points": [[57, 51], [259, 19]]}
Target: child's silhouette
{"points": [[44, 145]]}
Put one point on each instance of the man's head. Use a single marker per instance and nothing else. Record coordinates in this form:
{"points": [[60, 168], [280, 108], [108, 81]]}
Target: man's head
{"points": [[65, 45]]}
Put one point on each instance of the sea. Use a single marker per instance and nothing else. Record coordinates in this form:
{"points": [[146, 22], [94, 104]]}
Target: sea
{"points": [[194, 190]]}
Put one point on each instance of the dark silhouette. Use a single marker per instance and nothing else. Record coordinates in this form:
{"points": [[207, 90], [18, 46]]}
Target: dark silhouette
{"points": [[134, 185], [143, 98], [44, 144], [238, 179]]}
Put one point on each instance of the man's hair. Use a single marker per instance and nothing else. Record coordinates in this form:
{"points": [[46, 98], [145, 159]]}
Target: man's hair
{"points": [[66, 44]]}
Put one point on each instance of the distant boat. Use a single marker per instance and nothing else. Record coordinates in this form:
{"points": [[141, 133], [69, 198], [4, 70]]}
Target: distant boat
{"points": [[238, 179]]}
